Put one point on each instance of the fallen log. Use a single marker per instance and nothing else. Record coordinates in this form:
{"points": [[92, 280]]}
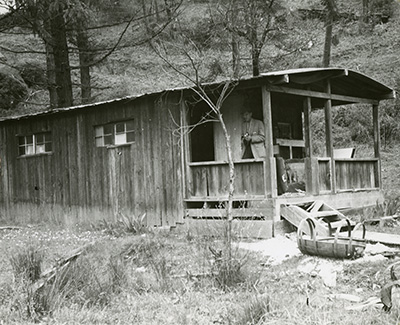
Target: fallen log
{"points": [[61, 264]]}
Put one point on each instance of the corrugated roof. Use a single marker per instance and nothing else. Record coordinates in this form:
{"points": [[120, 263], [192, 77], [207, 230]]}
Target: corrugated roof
{"points": [[343, 82]]}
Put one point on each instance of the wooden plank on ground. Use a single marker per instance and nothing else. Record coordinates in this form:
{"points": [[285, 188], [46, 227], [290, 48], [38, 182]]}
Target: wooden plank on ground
{"points": [[379, 237], [322, 214], [315, 206], [295, 215]]}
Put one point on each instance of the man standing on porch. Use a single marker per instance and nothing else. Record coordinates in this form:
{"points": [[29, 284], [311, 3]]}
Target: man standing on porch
{"points": [[253, 137]]}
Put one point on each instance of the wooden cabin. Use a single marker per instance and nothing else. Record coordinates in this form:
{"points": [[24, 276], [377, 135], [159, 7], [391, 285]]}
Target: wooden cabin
{"points": [[135, 155]]}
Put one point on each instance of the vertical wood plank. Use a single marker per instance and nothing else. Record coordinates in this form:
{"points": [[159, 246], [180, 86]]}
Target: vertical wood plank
{"points": [[329, 137], [377, 143], [269, 164], [188, 178], [307, 127]]}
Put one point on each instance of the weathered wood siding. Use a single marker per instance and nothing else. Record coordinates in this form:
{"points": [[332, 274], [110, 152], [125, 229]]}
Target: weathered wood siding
{"points": [[324, 173], [92, 182], [212, 180], [356, 174]]}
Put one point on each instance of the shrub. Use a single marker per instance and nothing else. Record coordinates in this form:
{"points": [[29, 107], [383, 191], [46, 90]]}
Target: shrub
{"points": [[13, 90], [201, 33], [255, 311], [33, 74], [150, 252], [27, 264], [134, 224], [226, 272]]}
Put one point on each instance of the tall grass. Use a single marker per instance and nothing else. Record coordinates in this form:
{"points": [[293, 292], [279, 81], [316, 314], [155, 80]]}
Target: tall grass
{"points": [[27, 263]]}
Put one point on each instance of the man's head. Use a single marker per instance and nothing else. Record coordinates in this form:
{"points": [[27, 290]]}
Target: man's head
{"points": [[247, 115]]}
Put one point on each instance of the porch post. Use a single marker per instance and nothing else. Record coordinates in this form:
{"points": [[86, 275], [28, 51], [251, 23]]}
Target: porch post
{"points": [[307, 127], [328, 135], [185, 153], [269, 162], [377, 143], [311, 164]]}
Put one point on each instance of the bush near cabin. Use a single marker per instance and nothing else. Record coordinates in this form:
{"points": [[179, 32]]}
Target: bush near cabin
{"points": [[13, 89]]}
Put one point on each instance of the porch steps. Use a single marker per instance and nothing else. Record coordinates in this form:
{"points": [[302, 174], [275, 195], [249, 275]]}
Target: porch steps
{"points": [[327, 220]]}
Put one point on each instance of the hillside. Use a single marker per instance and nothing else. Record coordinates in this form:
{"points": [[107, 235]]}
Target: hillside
{"points": [[135, 70]]}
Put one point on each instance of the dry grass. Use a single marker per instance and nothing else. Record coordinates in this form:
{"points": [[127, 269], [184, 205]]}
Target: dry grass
{"points": [[165, 279]]}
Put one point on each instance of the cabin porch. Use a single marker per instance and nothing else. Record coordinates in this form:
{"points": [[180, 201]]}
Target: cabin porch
{"points": [[290, 172], [355, 183]]}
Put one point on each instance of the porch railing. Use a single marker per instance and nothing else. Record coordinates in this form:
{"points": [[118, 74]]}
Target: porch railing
{"points": [[352, 174], [211, 179]]}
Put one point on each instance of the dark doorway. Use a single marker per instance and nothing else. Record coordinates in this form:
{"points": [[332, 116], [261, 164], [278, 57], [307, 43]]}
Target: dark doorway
{"points": [[202, 136]]}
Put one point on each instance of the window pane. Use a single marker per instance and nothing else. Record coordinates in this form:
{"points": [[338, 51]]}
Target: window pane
{"points": [[129, 126], [107, 140], [120, 138], [22, 150], [130, 137], [119, 127], [29, 139], [29, 150], [98, 131], [39, 138], [40, 148], [100, 142], [21, 141], [107, 129], [48, 147], [47, 137]]}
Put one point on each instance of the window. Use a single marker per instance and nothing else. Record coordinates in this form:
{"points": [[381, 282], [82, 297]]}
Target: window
{"points": [[35, 144], [114, 134]]}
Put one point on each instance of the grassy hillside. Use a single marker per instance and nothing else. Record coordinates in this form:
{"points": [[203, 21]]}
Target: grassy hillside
{"points": [[135, 70]]}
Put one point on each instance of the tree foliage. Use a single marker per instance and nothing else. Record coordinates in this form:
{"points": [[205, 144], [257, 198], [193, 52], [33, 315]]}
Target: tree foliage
{"points": [[66, 28], [253, 21], [13, 89]]}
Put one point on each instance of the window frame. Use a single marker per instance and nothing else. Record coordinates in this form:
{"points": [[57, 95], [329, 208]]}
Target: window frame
{"points": [[35, 144], [109, 135]]}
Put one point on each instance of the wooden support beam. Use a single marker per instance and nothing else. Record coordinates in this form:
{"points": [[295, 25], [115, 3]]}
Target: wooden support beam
{"points": [[322, 95], [312, 175], [307, 127], [185, 152], [329, 137], [269, 164], [377, 144]]}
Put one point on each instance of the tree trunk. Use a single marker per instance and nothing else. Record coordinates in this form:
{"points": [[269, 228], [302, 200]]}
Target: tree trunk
{"points": [[50, 65], [255, 59], [51, 76], [235, 56], [328, 40], [84, 62], [61, 59], [229, 218]]}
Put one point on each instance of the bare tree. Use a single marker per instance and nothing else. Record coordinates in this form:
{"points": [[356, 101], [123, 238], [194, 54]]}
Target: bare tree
{"points": [[196, 61], [331, 14], [254, 21]]}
